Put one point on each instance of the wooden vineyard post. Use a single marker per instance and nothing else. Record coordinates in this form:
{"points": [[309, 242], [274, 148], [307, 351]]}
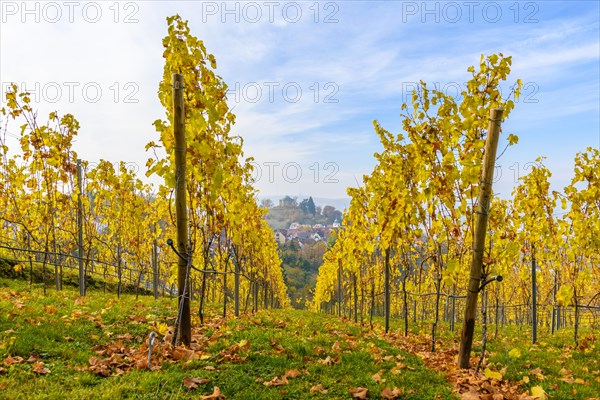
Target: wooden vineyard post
{"points": [[236, 286], [80, 229], [386, 289], [184, 327], [339, 282], [483, 205], [155, 268], [533, 297]]}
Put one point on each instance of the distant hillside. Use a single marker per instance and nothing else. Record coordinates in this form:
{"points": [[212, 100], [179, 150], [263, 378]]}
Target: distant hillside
{"points": [[338, 203], [300, 250], [306, 211]]}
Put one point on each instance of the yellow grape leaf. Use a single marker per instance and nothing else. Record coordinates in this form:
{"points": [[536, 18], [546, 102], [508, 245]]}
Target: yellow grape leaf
{"points": [[564, 295], [514, 353], [563, 203], [452, 265], [492, 374], [162, 328], [525, 379], [538, 391]]}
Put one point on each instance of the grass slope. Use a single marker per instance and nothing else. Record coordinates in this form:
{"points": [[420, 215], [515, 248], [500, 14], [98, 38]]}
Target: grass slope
{"points": [[60, 332], [248, 358]]}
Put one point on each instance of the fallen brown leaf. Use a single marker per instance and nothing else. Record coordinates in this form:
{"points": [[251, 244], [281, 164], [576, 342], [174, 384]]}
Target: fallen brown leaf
{"points": [[292, 373], [318, 388], [40, 369], [8, 361], [216, 395], [359, 392], [329, 360], [33, 358], [277, 382], [388, 393], [470, 396], [377, 377], [192, 383], [336, 346]]}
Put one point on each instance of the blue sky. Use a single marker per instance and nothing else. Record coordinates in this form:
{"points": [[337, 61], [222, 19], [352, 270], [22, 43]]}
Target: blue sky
{"points": [[308, 78]]}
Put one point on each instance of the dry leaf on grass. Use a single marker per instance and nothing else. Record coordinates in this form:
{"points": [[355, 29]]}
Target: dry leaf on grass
{"points": [[539, 374], [359, 392], [470, 396], [276, 381], [192, 383], [336, 346], [33, 358], [329, 360], [292, 373], [377, 377], [391, 394], [318, 388], [8, 361], [216, 395], [40, 369]]}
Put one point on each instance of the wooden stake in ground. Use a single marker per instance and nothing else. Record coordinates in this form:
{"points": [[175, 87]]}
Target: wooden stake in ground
{"points": [[184, 328], [80, 229], [340, 285], [483, 206], [236, 286], [533, 296], [386, 289], [155, 269]]}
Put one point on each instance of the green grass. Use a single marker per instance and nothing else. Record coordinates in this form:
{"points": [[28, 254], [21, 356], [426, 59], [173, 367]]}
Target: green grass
{"points": [[554, 354], [557, 359], [61, 330]]}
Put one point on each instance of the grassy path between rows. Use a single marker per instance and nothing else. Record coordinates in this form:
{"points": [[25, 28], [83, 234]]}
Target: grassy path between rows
{"points": [[64, 346]]}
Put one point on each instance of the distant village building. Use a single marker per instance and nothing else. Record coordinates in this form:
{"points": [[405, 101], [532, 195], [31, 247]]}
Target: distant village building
{"points": [[280, 237], [304, 234], [336, 224]]}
